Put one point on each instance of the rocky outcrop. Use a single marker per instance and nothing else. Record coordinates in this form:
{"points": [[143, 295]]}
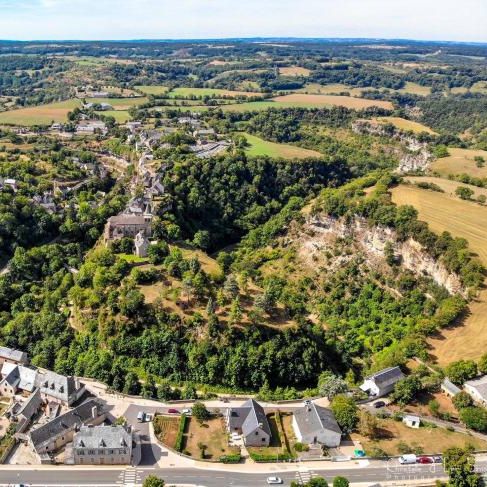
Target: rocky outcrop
{"points": [[320, 233]]}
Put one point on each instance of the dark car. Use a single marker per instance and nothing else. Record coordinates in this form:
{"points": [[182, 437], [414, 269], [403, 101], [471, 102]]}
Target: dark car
{"points": [[172, 411], [379, 404], [437, 459], [425, 460]]}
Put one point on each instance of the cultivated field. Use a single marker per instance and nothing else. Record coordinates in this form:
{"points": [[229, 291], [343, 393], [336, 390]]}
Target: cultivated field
{"points": [[330, 89], [166, 429], [461, 161], [294, 71], [332, 100], [403, 124], [432, 440], [200, 92], [415, 89], [260, 147], [118, 103], [152, 89], [447, 185], [120, 116], [40, 115], [462, 219]]}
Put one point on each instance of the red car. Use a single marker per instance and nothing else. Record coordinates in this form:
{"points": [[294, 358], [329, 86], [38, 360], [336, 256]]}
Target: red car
{"points": [[173, 411], [425, 460]]}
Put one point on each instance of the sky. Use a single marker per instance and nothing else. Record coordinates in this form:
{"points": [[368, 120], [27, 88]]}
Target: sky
{"points": [[451, 20]]}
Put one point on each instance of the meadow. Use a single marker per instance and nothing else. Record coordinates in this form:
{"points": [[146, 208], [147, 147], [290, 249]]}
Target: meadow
{"points": [[464, 219], [318, 101], [447, 185], [461, 161], [40, 115], [152, 89], [403, 124], [201, 92], [294, 71], [261, 147], [119, 103]]}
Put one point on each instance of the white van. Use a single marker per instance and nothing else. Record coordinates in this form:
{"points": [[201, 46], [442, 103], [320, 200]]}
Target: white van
{"points": [[141, 417], [407, 459]]}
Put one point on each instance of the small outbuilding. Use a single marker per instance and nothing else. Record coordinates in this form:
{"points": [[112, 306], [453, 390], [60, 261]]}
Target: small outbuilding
{"points": [[411, 421]]}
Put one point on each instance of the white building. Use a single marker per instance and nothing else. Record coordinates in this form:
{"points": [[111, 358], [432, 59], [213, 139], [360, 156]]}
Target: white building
{"points": [[314, 424], [383, 382], [141, 243], [411, 421], [477, 388]]}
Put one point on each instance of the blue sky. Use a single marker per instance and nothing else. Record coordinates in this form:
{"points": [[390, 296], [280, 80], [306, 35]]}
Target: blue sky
{"points": [[461, 20]]}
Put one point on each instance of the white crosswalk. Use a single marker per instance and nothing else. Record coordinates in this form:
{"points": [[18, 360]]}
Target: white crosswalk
{"points": [[304, 475], [130, 477]]}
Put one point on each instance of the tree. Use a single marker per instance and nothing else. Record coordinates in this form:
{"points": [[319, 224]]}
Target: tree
{"points": [[153, 481], [464, 193], [462, 400], [132, 384], [479, 161], [460, 371], [157, 252], [149, 387], [434, 407], [340, 482], [210, 306], [368, 425], [231, 286], [317, 482], [189, 392], [345, 411], [329, 385], [482, 366], [263, 302], [460, 465], [200, 412], [406, 389], [474, 418], [201, 239], [235, 311]]}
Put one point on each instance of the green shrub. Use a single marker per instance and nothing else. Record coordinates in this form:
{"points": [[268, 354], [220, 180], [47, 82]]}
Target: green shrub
{"points": [[182, 427], [231, 458]]}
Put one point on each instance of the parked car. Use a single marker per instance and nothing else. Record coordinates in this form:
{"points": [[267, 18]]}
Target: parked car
{"points": [[172, 411], [307, 402], [407, 459], [187, 411], [274, 480], [437, 459], [148, 417], [379, 404], [141, 417], [425, 460]]}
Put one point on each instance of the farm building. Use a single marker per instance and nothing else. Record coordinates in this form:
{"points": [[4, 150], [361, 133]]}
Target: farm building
{"points": [[449, 388], [411, 421], [251, 422], [382, 383], [477, 388], [314, 424]]}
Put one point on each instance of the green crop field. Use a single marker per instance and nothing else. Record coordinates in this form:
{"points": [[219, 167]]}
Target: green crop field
{"points": [[319, 101], [152, 89], [119, 103], [260, 147], [40, 115], [120, 116], [200, 92]]}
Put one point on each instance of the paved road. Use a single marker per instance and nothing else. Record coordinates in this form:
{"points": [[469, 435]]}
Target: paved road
{"points": [[116, 477]]}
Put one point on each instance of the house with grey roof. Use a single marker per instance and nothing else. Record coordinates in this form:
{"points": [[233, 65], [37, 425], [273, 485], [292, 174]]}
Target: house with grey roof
{"points": [[54, 434], [126, 225], [250, 421], [383, 382], [449, 388], [30, 407], [103, 445], [477, 388], [59, 388], [314, 424], [13, 356], [17, 378]]}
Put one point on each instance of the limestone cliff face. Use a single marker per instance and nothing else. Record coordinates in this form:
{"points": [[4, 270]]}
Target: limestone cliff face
{"points": [[416, 155], [320, 232]]}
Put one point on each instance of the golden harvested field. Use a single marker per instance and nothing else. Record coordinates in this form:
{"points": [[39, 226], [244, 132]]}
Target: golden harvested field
{"points": [[333, 88], [40, 115], [403, 124], [461, 161], [294, 71], [447, 185], [152, 89], [462, 219], [415, 89], [334, 100]]}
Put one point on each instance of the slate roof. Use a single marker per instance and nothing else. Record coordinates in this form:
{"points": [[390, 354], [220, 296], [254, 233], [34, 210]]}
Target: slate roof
{"points": [[249, 417], [11, 354], [102, 436], [57, 385], [480, 385], [31, 406], [312, 419], [126, 219], [19, 376], [386, 377], [73, 419], [450, 387]]}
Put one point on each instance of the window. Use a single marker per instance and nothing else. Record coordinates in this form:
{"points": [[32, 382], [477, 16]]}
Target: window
{"points": [[263, 439], [256, 433], [81, 452]]}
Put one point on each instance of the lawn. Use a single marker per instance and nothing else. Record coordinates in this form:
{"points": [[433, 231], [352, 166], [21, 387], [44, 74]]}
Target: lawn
{"points": [[120, 116], [332, 100], [212, 434], [166, 429], [261, 147], [40, 115], [403, 124], [152, 89], [462, 219], [201, 92], [432, 440], [294, 71], [119, 103], [133, 258], [461, 161]]}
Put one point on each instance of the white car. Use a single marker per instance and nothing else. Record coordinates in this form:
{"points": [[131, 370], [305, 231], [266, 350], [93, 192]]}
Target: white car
{"points": [[188, 412], [274, 480]]}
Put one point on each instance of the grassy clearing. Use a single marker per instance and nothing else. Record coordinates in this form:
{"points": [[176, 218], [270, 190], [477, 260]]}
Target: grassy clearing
{"points": [[261, 147], [479, 87], [432, 440], [294, 71], [120, 116], [403, 124], [118, 103], [40, 115], [152, 89], [166, 429], [212, 434], [461, 161], [462, 219], [415, 89], [447, 185], [333, 100], [209, 92]]}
